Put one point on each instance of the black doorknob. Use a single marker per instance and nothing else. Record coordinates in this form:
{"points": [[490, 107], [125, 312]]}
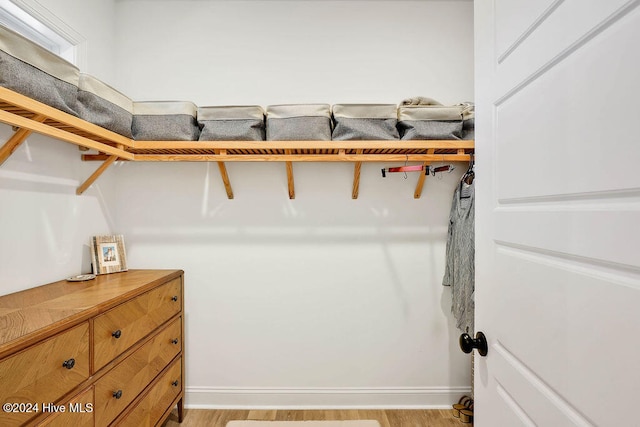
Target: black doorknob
{"points": [[467, 344]]}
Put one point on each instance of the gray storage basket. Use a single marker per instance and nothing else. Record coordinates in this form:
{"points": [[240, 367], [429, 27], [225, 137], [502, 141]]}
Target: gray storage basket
{"points": [[231, 123], [365, 122], [468, 120], [33, 71], [299, 122], [165, 121], [428, 119], [104, 106]]}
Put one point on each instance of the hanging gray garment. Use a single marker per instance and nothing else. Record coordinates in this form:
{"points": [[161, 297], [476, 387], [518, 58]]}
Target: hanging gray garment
{"points": [[460, 266]]}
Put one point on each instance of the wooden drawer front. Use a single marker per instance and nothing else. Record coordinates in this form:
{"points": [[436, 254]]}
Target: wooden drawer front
{"points": [[133, 321], [133, 374], [78, 412], [37, 374], [154, 404]]}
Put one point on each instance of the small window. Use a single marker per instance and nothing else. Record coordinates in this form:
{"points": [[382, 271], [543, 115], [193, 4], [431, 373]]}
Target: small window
{"points": [[37, 30]]}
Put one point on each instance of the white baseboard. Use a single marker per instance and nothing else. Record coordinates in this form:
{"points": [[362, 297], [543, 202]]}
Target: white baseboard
{"points": [[323, 398]]}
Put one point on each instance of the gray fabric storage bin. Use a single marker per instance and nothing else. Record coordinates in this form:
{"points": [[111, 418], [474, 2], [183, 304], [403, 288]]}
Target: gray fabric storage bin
{"points": [[468, 120], [231, 123], [33, 71], [425, 118], [165, 121], [299, 122], [365, 122], [102, 105]]}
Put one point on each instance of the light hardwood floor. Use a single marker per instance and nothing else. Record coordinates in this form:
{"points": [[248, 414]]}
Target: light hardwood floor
{"points": [[387, 418]]}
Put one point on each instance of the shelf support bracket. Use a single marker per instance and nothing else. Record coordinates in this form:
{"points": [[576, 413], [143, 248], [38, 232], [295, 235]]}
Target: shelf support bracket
{"points": [[103, 167], [18, 138], [225, 180], [356, 177], [224, 175], [422, 177], [290, 183]]}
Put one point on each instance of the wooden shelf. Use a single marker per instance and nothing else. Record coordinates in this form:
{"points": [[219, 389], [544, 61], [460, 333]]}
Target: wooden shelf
{"points": [[27, 115]]}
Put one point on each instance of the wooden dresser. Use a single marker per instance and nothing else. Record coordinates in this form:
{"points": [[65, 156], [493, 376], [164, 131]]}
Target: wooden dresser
{"points": [[108, 351]]}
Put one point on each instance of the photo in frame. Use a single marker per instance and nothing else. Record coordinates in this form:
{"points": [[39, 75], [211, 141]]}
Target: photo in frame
{"points": [[108, 254]]}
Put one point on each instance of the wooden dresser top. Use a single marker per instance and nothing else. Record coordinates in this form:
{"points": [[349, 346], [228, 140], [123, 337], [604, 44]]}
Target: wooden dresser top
{"points": [[30, 315]]}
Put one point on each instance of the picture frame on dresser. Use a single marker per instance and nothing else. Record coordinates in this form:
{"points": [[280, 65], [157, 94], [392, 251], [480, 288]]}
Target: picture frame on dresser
{"points": [[108, 254]]}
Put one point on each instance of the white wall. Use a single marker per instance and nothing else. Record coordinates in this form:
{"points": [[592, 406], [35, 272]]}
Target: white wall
{"points": [[45, 227], [270, 52], [322, 300], [287, 298]]}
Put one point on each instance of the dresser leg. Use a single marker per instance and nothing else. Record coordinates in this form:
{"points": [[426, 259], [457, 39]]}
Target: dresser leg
{"points": [[180, 410]]}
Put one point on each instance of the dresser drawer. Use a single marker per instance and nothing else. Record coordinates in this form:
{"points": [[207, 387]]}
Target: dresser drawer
{"points": [[154, 404], [116, 390], [121, 327], [44, 372], [78, 412]]}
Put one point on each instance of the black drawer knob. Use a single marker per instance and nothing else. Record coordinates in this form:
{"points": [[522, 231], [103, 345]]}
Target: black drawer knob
{"points": [[117, 334], [175, 341], [174, 298], [175, 383], [117, 394], [69, 364]]}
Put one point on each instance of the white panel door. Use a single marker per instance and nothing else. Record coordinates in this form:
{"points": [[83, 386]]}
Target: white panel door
{"points": [[558, 212]]}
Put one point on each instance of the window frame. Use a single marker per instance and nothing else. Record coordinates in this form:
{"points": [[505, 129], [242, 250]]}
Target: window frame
{"points": [[38, 24]]}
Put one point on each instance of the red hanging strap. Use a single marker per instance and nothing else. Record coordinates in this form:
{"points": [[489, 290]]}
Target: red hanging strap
{"points": [[414, 168], [406, 168]]}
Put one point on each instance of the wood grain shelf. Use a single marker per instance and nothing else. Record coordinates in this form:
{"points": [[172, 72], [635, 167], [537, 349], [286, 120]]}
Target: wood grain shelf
{"points": [[27, 116]]}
